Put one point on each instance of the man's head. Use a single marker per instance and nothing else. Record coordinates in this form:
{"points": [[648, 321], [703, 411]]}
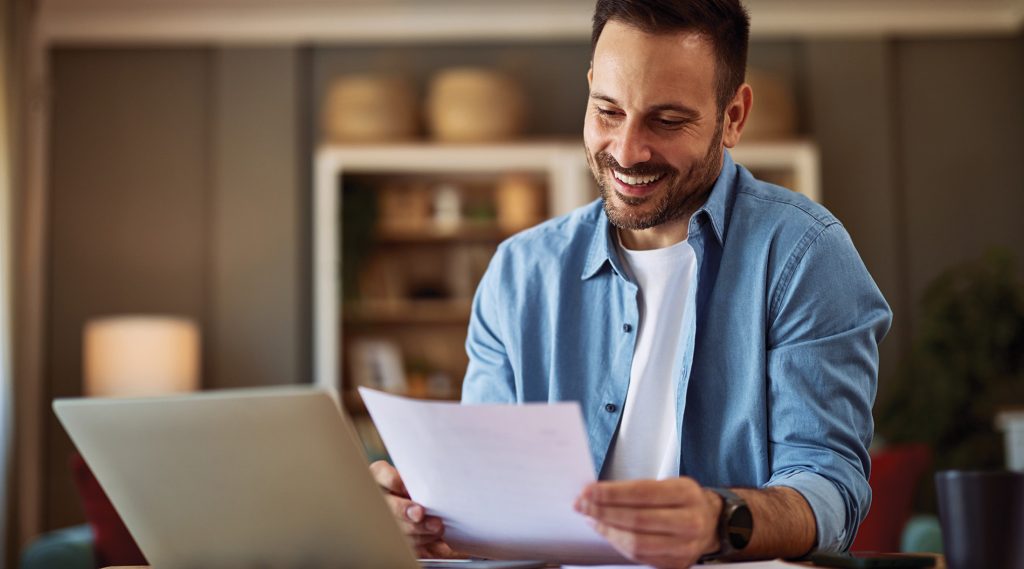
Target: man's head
{"points": [[724, 23], [666, 95]]}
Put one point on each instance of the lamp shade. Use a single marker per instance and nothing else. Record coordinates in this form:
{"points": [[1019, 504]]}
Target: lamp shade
{"points": [[138, 356]]}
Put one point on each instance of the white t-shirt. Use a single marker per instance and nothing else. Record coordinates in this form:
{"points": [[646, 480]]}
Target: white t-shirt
{"points": [[647, 443]]}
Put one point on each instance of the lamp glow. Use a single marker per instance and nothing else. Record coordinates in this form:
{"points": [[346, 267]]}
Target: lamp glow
{"points": [[139, 356]]}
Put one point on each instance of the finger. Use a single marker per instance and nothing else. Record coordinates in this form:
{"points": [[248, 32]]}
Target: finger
{"points": [[388, 478], [678, 521], [440, 550], [421, 540], [431, 527], [413, 518], [405, 509], [649, 493], [651, 549]]}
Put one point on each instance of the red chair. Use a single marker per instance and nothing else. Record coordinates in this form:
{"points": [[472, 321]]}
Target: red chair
{"points": [[112, 544], [895, 473]]}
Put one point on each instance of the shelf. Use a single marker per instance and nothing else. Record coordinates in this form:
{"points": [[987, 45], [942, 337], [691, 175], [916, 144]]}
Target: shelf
{"points": [[467, 233], [408, 312], [433, 157], [568, 176], [559, 165]]}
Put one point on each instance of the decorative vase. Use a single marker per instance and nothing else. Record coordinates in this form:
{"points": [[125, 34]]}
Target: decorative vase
{"points": [[370, 108], [774, 114], [468, 104]]}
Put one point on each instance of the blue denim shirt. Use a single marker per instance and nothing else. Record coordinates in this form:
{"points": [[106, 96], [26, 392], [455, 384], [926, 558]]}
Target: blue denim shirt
{"points": [[777, 375]]}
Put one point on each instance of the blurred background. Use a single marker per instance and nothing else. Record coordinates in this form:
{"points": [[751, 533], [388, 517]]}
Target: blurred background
{"points": [[308, 191]]}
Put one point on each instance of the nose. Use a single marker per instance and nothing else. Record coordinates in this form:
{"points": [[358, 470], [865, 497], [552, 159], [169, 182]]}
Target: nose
{"points": [[631, 146]]}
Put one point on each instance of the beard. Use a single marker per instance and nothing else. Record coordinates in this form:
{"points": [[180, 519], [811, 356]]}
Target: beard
{"points": [[683, 193]]}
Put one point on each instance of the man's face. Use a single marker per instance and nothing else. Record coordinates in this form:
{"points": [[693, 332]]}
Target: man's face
{"points": [[653, 133]]}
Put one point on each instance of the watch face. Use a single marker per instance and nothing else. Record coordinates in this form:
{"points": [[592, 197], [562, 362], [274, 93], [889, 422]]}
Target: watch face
{"points": [[739, 526]]}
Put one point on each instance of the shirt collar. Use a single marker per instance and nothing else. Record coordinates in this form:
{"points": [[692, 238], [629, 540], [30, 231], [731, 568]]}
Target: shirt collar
{"points": [[715, 209]]}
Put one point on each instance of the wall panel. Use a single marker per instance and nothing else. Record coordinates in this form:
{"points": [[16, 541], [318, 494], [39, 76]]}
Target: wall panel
{"points": [[127, 219], [962, 143], [258, 276]]}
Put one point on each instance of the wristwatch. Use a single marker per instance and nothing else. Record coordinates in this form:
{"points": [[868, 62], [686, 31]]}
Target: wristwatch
{"points": [[735, 524]]}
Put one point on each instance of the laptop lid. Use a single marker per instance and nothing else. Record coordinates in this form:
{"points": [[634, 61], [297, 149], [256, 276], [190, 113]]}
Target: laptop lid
{"points": [[247, 478]]}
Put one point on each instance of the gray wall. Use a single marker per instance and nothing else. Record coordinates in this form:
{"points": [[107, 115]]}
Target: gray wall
{"points": [[961, 131], [176, 189], [259, 221], [922, 144], [180, 179], [128, 217]]}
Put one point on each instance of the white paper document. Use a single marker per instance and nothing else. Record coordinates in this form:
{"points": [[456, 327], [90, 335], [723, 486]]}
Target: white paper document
{"points": [[502, 477]]}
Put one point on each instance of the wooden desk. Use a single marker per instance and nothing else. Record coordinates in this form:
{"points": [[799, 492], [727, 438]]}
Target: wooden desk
{"points": [[940, 563]]}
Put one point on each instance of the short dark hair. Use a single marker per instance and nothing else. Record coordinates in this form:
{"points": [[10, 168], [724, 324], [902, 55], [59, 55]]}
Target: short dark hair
{"points": [[725, 23]]}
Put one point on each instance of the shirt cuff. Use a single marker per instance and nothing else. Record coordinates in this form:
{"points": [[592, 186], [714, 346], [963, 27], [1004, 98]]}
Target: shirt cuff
{"points": [[826, 502]]}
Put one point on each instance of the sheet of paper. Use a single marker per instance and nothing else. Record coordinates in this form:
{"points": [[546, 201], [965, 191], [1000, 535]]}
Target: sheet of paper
{"points": [[502, 477]]}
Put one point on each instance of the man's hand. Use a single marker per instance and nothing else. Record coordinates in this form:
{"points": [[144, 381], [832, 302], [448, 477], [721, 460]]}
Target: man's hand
{"points": [[671, 523], [664, 523], [423, 531]]}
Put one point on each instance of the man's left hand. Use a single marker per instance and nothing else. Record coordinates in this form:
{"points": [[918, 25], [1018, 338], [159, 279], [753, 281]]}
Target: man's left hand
{"points": [[664, 523]]}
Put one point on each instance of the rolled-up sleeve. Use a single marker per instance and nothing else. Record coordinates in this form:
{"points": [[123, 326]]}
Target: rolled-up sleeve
{"points": [[826, 321]]}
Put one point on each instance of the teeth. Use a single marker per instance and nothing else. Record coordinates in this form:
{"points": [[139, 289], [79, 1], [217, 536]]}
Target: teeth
{"points": [[636, 180]]}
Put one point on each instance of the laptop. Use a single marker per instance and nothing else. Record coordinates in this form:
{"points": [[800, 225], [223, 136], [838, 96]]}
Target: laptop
{"points": [[242, 479]]}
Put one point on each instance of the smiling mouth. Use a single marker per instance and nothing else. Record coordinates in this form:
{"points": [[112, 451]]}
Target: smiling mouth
{"points": [[639, 181]]}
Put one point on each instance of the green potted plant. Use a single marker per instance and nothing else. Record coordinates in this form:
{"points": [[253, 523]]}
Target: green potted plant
{"points": [[965, 365]]}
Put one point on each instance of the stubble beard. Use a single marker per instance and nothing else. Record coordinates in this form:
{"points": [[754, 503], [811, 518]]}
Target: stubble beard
{"points": [[681, 196]]}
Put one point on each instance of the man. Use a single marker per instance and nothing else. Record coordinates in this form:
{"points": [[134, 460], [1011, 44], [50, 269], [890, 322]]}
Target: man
{"points": [[718, 332]]}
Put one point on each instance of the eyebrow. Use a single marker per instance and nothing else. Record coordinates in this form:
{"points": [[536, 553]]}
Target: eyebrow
{"points": [[681, 109]]}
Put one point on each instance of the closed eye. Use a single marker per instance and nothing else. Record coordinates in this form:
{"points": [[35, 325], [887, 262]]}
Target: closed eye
{"points": [[671, 123]]}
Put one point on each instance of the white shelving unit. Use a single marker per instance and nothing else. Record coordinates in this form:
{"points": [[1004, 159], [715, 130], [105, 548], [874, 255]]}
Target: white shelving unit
{"points": [[570, 185], [568, 179]]}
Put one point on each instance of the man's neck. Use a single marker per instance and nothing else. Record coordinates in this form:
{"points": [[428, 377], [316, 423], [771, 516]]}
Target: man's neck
{"points": [[657, 237]]}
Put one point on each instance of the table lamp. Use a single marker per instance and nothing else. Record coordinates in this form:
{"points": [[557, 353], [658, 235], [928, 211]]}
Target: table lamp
{"points": [[130, 356], [140, 355]]}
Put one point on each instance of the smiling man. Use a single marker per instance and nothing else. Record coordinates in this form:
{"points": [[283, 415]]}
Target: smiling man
{"points": [[720, 333]]}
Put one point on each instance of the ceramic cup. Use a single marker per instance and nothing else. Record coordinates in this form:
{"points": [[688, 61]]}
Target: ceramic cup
{"points": [[982, 516]]}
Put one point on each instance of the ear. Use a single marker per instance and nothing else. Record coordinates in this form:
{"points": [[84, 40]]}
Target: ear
{"points": [[590, 74], [736, 114]]}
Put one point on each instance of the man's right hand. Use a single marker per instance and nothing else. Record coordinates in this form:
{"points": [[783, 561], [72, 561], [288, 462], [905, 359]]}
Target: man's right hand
{"points": [[423, 531]]}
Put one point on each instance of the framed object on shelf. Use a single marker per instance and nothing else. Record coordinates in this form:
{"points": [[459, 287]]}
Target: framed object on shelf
{"points": [[377, 364]]}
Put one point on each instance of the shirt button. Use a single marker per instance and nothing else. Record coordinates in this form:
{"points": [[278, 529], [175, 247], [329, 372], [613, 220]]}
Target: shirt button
{"points": [[611, 407], [627, 328]]}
